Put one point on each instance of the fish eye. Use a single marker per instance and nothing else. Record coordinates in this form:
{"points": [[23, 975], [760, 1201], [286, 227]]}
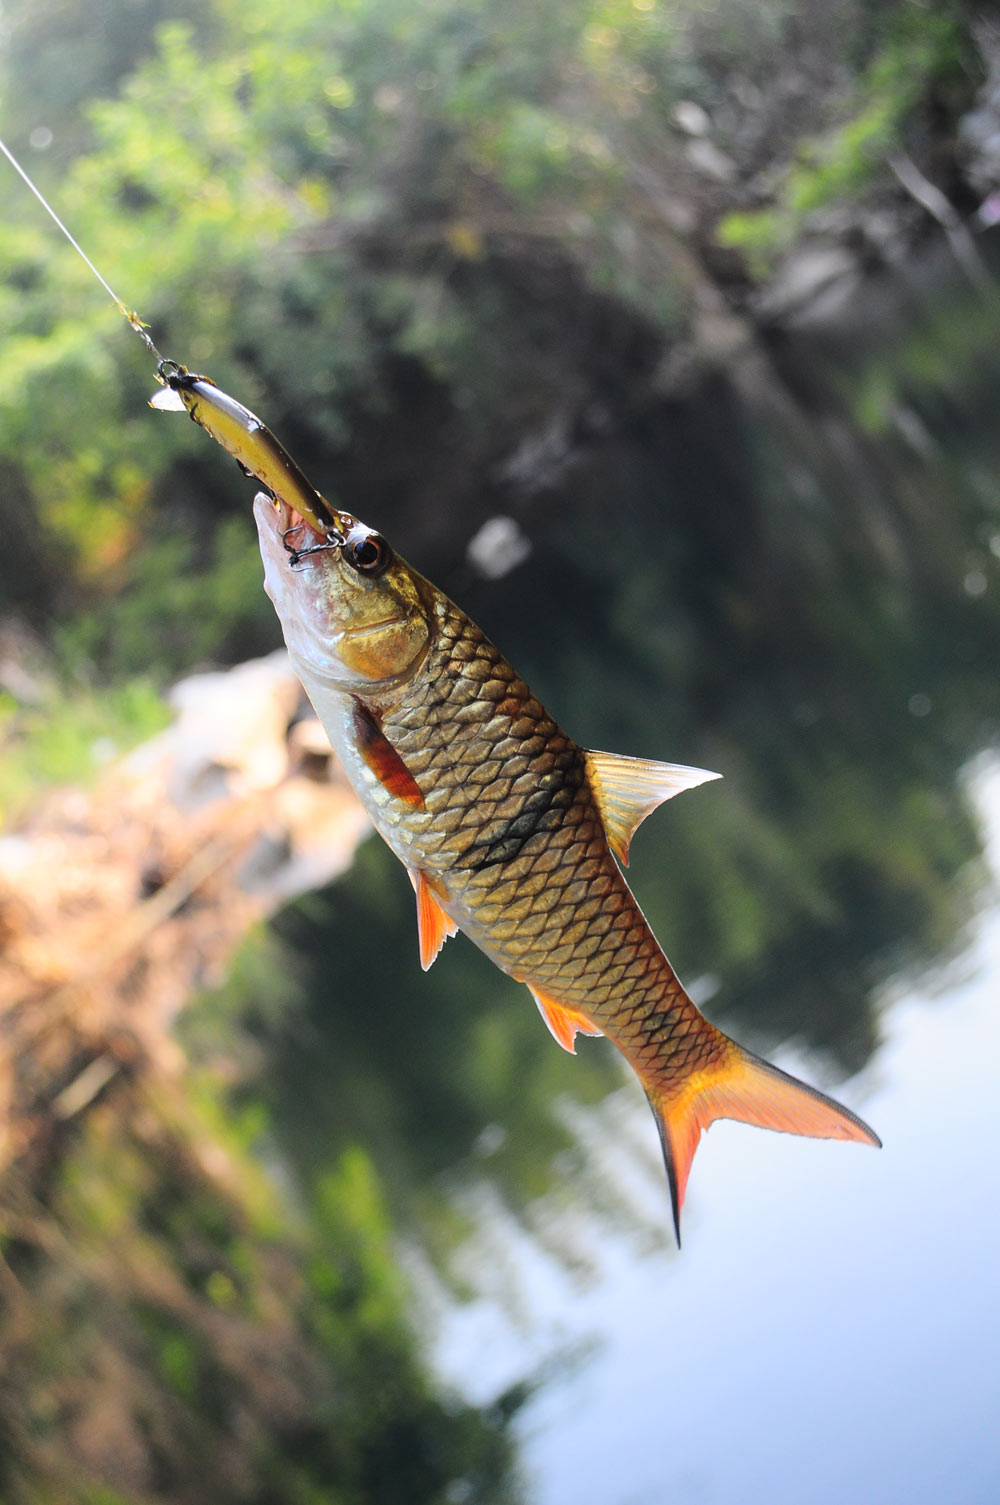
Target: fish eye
{"points": [[367, 552]]}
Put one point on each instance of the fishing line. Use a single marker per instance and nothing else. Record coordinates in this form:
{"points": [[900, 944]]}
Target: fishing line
{"points": [[130, 314]]}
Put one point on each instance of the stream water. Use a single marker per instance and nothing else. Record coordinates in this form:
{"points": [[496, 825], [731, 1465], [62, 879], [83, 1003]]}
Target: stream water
{"points": [[796, 581]]}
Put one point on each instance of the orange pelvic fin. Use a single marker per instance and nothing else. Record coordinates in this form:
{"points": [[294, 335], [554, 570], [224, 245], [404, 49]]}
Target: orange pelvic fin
{"points": [[433, 925], [564, 1023], [743, 1087], [629, 789], [383, 759]]}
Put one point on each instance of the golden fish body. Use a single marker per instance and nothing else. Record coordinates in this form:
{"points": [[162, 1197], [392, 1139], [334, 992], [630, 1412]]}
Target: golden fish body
{"points": [[510, 831]]}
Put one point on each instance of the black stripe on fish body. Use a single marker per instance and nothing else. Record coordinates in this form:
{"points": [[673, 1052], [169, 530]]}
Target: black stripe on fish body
{"points": [[542, 810]]}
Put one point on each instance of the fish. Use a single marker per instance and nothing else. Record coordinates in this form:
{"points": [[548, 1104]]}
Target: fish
{"points": [[510, 831]]}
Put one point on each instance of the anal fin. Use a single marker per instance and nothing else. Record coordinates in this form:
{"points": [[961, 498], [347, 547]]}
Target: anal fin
{"points": [[629, 789], [433, 926], [564, 1023]]}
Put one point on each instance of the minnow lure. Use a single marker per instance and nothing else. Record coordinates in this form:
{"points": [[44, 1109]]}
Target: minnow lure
{"points": [[508, 829], [250, 442]]}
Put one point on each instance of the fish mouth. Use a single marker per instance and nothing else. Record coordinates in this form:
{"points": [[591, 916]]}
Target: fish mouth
{"points": [[280, 528], [287, 535], [352, 634], [286, 521]]}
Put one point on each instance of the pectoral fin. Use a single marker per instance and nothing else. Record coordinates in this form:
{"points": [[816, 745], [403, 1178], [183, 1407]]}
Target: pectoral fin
{"points": [[383, 759], [564, 1023], [628, 789], [433, 925]]}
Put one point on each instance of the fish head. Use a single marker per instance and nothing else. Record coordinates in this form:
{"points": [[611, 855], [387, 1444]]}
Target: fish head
{"points": [[354, 615]]}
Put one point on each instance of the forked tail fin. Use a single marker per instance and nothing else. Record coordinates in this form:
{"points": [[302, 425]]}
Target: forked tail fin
{"points": [[743, 1087]]}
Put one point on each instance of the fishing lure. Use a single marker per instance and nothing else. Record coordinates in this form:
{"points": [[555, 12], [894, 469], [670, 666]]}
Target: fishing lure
{"points": [[508, 829]]}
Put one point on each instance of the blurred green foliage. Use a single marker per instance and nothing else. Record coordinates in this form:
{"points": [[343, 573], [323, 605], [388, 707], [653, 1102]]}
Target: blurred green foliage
{"points": [[291, 196], [213, 1344], [922, 58], [69, 733]]}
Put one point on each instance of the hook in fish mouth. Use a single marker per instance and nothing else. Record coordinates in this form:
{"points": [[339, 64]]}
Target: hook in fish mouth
{"points": [[296, 555], [332, 538]]}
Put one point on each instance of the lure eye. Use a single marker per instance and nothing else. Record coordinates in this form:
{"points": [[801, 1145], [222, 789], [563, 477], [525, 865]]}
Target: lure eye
{"points": [[368, 553]]}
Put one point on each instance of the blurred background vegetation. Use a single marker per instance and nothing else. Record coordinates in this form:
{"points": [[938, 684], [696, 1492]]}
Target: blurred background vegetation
{"points": [[338, 209], [685, 293]]}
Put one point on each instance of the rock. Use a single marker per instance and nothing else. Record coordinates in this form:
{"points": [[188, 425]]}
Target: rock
{"points": [[230, 735]]}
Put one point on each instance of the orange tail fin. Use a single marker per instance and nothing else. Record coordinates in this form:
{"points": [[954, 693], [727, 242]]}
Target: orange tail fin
{"points": [[744, 1087]]}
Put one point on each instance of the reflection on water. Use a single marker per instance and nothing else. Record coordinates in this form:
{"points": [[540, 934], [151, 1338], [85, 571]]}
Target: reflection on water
{"points": [[804, 594], [830, 1332]]}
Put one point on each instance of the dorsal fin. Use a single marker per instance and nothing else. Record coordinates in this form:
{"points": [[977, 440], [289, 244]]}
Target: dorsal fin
{"points": [[628, 789], [565, 1023], [383, 759], [433, 925]]}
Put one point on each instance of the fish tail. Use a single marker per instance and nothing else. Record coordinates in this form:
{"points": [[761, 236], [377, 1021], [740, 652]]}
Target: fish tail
{"points": [[741, 1086]]}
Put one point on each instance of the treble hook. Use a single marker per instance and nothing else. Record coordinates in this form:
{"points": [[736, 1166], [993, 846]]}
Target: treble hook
{"points": [[295, 556]]}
